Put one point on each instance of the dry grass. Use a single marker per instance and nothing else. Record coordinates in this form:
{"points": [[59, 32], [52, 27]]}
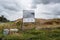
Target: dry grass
{"points": [[40, 23]]}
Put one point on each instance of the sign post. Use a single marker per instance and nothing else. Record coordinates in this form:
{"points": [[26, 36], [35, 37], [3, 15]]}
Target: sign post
{"points": [[28, 18]]}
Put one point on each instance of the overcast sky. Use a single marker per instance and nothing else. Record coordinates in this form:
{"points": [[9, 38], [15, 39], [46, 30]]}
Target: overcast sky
{"points": [[12, 9]]}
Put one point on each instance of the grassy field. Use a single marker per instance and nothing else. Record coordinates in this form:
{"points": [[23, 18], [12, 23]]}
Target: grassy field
{"points": [[52, 33]]}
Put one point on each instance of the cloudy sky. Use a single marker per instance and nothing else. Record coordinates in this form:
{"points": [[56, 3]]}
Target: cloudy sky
{"points": [[12, 9]]}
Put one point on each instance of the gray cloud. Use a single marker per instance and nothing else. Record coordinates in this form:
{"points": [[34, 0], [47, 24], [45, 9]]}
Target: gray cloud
{"points": [[35, 2], [48, 11], [10, 5], [46, 1], [12, 9]]}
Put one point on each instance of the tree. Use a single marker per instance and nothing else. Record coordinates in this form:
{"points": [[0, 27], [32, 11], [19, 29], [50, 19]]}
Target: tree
{"points": [[3, 19]]}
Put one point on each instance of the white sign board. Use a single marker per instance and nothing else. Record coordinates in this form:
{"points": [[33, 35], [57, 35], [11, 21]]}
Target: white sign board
{"points": [[28, 16]]}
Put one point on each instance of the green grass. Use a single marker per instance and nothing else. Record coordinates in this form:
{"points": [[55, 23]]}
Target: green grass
{"points": [[53, 34], [42, 34]]}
